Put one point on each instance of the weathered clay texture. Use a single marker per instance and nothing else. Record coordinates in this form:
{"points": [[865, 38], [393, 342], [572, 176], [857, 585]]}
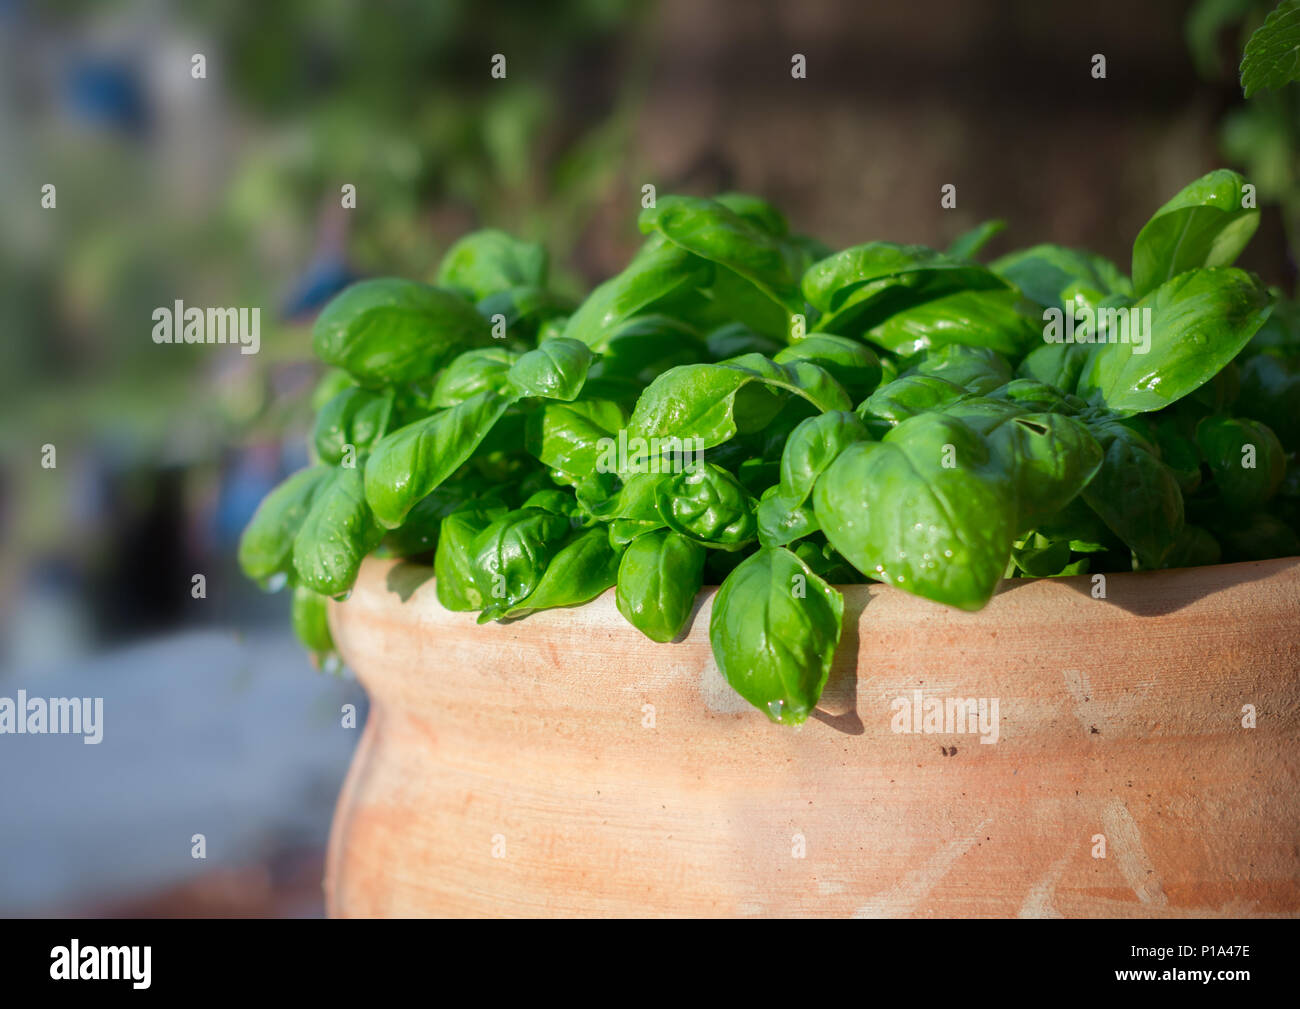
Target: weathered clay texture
{"points": [[1119, 719]]}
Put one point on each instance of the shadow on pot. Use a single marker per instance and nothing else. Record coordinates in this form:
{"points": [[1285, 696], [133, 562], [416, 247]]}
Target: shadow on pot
{"points": [[1158, 593]]}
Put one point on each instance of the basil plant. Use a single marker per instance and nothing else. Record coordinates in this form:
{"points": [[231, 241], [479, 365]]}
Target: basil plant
{"points": [[743, 407]]}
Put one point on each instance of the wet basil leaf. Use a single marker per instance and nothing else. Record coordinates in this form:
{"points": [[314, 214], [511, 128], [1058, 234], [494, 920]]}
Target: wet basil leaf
{"points": [[658, 578], [390, 330], [774, 629]]}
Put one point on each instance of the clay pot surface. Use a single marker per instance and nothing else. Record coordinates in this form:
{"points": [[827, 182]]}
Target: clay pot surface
{"points": [[566, 765]]}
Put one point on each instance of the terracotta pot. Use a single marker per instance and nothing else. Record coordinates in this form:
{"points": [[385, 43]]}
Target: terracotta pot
{"points": [[565, 765]]}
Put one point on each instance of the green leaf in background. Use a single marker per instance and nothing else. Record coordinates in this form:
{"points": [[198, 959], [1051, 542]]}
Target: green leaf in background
{"points": [[1045, 272], [266, 546], [1200, 321], [412, 461], [1247, 460], [774, 630], [390, 330], [485, 262], [968, 244], [1204, 225], [658, 577], [657, 271], [1059, 365], [1272, 56], [1001, 320], [712, 231], [860, 287], [1136, 494], [1271, 387]]}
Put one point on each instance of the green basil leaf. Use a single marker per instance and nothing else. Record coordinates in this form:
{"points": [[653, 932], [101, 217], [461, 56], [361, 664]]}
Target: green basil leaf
{"points": [[976, 369], [487, 261], [1001, 320], [1204, 225], [1057, 364], [812, 447], [1199, 321], [927, 510], [555, 370], [266, 546], [774, 629], [309, 617], [411, 462], [862, 286], [336, 535], [1136, 494], [708, 505], [355, 417], [485, 369], [708, 229], [1051, 458], [782, 520], [968, 244], [906, 397], [659, 270], [1246, 458], [453, 564], [1270, 390], [854, 366], [390, 330], [1045, 272], [1270, 57], [510, 556], [658, 577], [583, 568], [575, 439]]}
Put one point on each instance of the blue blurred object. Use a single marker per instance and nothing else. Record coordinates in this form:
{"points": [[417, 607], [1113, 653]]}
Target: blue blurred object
{"points": [[104, 92], [323, 279]]}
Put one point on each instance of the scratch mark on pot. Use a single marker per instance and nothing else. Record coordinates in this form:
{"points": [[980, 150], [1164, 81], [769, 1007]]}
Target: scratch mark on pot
{"points": [[1038, 902], [902, 898], [1134, 863]]}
